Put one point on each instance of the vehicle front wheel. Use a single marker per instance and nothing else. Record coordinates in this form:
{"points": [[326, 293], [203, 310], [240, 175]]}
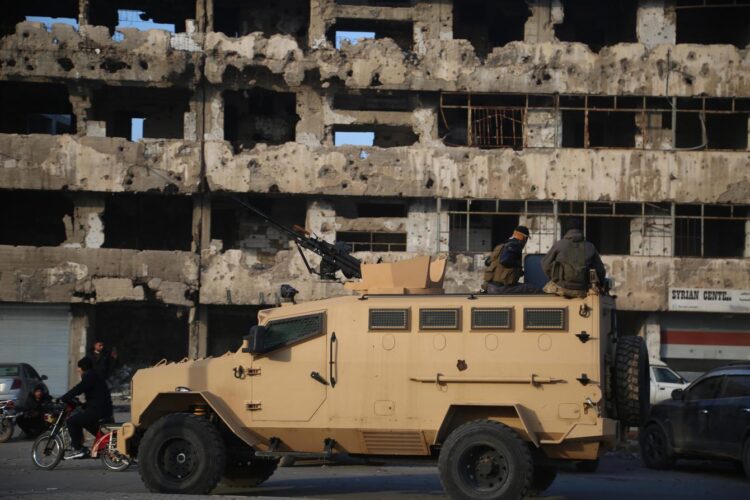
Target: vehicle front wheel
{"points": [[485, 460], [181, 453], [6, 429], [656, 451], [47, 451]]}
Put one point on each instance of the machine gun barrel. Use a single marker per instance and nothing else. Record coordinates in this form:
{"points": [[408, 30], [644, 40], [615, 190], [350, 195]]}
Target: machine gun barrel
{"points": [[335, 257]]}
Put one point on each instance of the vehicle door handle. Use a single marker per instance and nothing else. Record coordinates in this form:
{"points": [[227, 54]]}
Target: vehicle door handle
{"points": [[703, 412], [317, 376], [662, 388]]}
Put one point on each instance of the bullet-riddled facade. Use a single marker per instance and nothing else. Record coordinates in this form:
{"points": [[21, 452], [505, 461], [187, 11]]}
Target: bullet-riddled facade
{"points": [[400, 127]]}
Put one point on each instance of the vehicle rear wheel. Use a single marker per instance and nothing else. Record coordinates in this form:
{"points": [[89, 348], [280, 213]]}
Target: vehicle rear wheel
{"points": [[6, 429], [485, 460], [544, 476], [632, 384], [656, 451], [181, 453], [47, 451]]}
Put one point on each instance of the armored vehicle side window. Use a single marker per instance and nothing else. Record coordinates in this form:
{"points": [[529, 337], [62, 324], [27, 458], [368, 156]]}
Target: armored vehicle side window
{"points": [[491, 319], [545, 319], [288, 331], [439, 319], [389, 319]]}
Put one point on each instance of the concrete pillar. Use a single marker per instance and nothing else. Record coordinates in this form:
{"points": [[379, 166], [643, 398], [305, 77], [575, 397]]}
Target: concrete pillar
{"points": [[433, 20], [83, 12], [321, 220], [543, 129], [198, 332], [86, 228], [321, 18], [311, 109], [214, 114], [80, 97], [540, 26], [655, 24], [651, 333], [422, 227], [652, 134], [651, 236], [82, 328]]}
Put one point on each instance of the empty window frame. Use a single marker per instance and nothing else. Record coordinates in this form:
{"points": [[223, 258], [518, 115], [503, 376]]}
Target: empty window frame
{"points": [[366, 241], [382, 136], [236, 18], [489, 24], [401, 32], [35, 108], [535, 319], [530, 120], [597, 23], [713, 22], [46, 11], [168, 15], [491, 318], [440, 319], [389, 319], [259, 116]]}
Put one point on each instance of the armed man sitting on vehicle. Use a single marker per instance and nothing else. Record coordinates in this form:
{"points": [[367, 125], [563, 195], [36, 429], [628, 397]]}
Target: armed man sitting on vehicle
{"points": [[568, 262], [505, 266], [98, 406]]}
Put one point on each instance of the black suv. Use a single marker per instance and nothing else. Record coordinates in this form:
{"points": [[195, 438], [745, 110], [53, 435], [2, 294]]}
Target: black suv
{"points": [[709, 419]]}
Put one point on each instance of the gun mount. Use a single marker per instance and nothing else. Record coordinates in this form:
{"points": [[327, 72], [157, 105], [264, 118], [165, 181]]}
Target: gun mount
{"points": [[335, 256]]}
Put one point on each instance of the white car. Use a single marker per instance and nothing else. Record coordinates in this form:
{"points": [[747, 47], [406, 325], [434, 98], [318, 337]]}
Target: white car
{"points": [[664, 380]]}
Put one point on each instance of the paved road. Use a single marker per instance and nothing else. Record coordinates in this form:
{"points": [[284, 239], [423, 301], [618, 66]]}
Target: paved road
{"points": [[619, 477]]}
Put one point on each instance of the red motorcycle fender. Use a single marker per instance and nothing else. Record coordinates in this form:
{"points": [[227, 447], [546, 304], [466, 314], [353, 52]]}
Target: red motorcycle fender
{"points": [[100, 442]]}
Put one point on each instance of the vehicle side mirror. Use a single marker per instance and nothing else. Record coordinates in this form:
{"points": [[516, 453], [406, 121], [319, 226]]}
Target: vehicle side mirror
{"points": [[43, 377], [678, 394], [254, 341]]}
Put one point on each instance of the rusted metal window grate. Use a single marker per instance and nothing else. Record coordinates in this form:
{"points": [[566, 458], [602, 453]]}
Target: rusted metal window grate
{"points": [[389, 319], [439, 319], [497, 128], [491, 319], [544, 319]]}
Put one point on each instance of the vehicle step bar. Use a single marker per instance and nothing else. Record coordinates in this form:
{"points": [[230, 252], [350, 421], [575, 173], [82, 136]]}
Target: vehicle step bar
{"points": [[274, 453]]}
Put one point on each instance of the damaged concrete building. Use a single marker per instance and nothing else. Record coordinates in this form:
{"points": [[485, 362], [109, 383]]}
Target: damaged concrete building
{"points": [[401, 127]]}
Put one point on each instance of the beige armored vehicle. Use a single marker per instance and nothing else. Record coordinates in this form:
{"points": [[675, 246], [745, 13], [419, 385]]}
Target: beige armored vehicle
{"points": [[500, 389]]}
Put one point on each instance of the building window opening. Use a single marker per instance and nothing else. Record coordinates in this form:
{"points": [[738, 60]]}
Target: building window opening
{"points": [[148, 222], [35, 108], [372, 241], [159, 113], [131, 330], [378, 3], [34, 218], [612, 129], [375, 101], [598, 24], [169, 15], [349, 30], [235, 228], [397, 210], [483, 120], [259, 116], [711, 22], [381, 136], [489, 24], [236, 18], [724, 238], [48, 12]]}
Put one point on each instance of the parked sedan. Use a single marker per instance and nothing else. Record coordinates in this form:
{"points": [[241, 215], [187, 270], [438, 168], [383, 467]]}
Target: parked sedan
{"points": [[17, 380], [709, 419]]}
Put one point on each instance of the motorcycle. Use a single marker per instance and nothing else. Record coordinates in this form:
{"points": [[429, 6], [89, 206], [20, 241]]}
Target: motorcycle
{"points": [[50, 447], [8, 415]]}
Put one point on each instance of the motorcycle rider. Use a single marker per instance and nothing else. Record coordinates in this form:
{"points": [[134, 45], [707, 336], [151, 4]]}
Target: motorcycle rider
{"points": [[98, 406], [31, 421]]}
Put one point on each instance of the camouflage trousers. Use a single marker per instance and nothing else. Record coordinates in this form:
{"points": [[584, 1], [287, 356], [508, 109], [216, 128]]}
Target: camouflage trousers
{"points": [[554, 288]]}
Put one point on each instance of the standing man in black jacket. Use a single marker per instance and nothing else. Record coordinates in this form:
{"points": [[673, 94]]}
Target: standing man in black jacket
{"points": [[98, 406]]}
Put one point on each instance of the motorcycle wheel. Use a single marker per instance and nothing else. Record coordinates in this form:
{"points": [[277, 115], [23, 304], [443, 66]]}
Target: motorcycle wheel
{"points": [[114, 461], [7, 427], [47, 451]]}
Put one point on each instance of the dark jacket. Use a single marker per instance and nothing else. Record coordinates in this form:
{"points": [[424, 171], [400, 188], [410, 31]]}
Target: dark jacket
{"points": [[36, 407], [569, 260], [98, 398], [104, 363]]}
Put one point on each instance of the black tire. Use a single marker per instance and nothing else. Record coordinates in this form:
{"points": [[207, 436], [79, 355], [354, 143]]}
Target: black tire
{"points": [[181, 453], [544, 476], [656, 452], [746, 457], [632, 384], [47, 451], [6, 430], [244, 470], [587, 466], [485, 460]]}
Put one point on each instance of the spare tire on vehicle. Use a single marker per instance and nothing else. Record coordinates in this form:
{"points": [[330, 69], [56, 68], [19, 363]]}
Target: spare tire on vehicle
{"points": [[632, 384]]}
